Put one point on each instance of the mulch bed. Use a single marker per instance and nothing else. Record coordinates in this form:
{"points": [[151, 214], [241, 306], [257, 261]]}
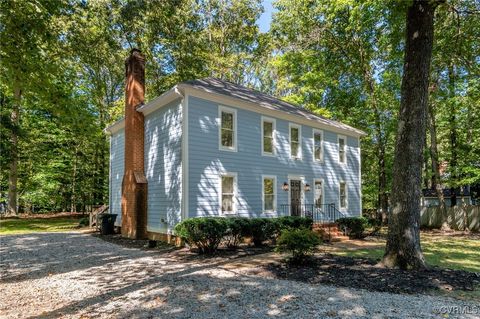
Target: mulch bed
{"points": [[185, 254], [363, 273]]}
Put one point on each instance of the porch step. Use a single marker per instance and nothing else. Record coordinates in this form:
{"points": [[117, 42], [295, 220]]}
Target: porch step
{"points": [[330, 232]]}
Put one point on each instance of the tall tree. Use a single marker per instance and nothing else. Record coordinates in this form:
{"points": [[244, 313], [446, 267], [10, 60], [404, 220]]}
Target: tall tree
{"points": [[29, 34], [341, 59], [403, 243]]}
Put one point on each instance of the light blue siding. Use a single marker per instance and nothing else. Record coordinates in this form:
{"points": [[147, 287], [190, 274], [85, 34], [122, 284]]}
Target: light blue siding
{"points": [[206, 161], [117, 167], [163, 167]]}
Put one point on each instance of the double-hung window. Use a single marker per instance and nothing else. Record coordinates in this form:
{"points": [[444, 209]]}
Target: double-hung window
{"points": [[318, 192], [295, 141], [268, 136], [342, 152], [228, 185], [269, 191], [228, 129], [317, 145], [343, 195]]}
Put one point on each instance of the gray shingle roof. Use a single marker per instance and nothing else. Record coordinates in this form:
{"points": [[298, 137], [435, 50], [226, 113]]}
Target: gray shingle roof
{"points": [[267, 101]]}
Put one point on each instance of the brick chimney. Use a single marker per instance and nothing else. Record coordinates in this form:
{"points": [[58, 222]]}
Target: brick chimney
{"points": [[134, 185]]}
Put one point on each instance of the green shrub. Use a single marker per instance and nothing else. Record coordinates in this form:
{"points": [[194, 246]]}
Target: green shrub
{"points": [[237, 227], [205, 233], [301, 243], [294, 222], [84, 222], [354, 226], [261, 229]]}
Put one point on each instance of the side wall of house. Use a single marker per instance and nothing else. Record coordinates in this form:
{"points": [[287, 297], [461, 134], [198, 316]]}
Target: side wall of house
{"points": [[206, 162], [117, 167], [163, 167]]}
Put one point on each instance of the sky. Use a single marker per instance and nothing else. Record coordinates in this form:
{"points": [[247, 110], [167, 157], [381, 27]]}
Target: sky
{"points": [[266, 17]]}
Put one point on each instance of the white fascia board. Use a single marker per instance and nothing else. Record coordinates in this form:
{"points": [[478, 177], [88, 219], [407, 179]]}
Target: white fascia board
{"points": [[236, 102], [115, 127], [151, 106], [162, 100]]}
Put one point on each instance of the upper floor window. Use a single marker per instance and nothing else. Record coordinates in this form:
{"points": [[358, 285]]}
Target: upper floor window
{"points": [[343, 195], [269, 193], [295, 141], [318, 192], [268, 136], [342, 154], [317, 145], [228, 129], [228, 190]]}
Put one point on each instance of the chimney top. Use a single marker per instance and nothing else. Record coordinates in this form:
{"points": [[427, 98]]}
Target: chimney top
{"points": [[136, 52]]}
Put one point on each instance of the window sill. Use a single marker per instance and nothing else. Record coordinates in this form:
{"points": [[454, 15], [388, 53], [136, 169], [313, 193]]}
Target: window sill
{"points": [[269, 154], [227, 149]]}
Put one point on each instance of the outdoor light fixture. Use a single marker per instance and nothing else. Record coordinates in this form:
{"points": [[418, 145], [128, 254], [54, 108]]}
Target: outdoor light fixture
{"points": [[307, 187], [285, 186]]}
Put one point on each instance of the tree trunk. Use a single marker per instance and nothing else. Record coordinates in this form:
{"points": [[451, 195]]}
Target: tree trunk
{"points": [[453, 137], [382, 183], [403, 242], [13, 174], [436, 183], [382, 204]]}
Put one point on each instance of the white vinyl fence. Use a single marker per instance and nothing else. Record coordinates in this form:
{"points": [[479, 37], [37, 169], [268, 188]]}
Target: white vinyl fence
{"points": [[458, 217]]}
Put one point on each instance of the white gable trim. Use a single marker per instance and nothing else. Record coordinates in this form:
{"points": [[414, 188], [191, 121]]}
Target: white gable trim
{"points": [[162, 100]]}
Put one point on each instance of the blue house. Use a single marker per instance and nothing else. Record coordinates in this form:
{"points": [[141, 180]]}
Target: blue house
{"points": [[214, 148]]}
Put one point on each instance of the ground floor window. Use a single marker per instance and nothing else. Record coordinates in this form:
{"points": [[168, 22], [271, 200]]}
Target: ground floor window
{"points": [[318, 192], [343, 195], [228, 189], [269, 193]]}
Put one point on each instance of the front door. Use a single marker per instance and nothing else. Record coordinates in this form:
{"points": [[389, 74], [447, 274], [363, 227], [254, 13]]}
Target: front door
{"points": [[295, 198]]}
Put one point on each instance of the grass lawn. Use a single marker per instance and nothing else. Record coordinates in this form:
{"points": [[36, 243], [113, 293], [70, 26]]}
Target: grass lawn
{"points": [[448, 251], [32, 225]]}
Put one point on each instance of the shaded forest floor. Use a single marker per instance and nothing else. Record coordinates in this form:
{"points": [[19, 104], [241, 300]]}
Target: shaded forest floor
{"points": [[25, 224]]}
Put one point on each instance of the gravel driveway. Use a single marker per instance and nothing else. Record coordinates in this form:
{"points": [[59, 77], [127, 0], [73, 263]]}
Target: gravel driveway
{"points": [[75, 275]]}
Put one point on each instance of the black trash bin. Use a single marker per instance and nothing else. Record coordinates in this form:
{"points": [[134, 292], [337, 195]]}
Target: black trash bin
{"points": [[107, 223]]}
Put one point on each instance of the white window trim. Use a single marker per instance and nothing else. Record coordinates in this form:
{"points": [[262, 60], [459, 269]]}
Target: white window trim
{"points": [[220, 193], [274, 136], [338, 148], [226, 109], [274, 211], [299, 154], [323, 190], [302, 189], [346, 196], [315, 131]]}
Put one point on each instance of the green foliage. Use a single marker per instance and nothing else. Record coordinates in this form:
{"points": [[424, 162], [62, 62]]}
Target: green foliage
{"points": [[84, 222], [339, 59], [354, 226], [261, 230], [294, 222], [299, 242], [237, 228], [205, 233]]}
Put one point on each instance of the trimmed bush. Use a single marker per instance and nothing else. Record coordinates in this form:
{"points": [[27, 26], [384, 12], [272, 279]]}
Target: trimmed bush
{"points": [[205, 233], [301, 243], [354, 226], [237, 228], [84, 222], [261, 229], [294, 222]]}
